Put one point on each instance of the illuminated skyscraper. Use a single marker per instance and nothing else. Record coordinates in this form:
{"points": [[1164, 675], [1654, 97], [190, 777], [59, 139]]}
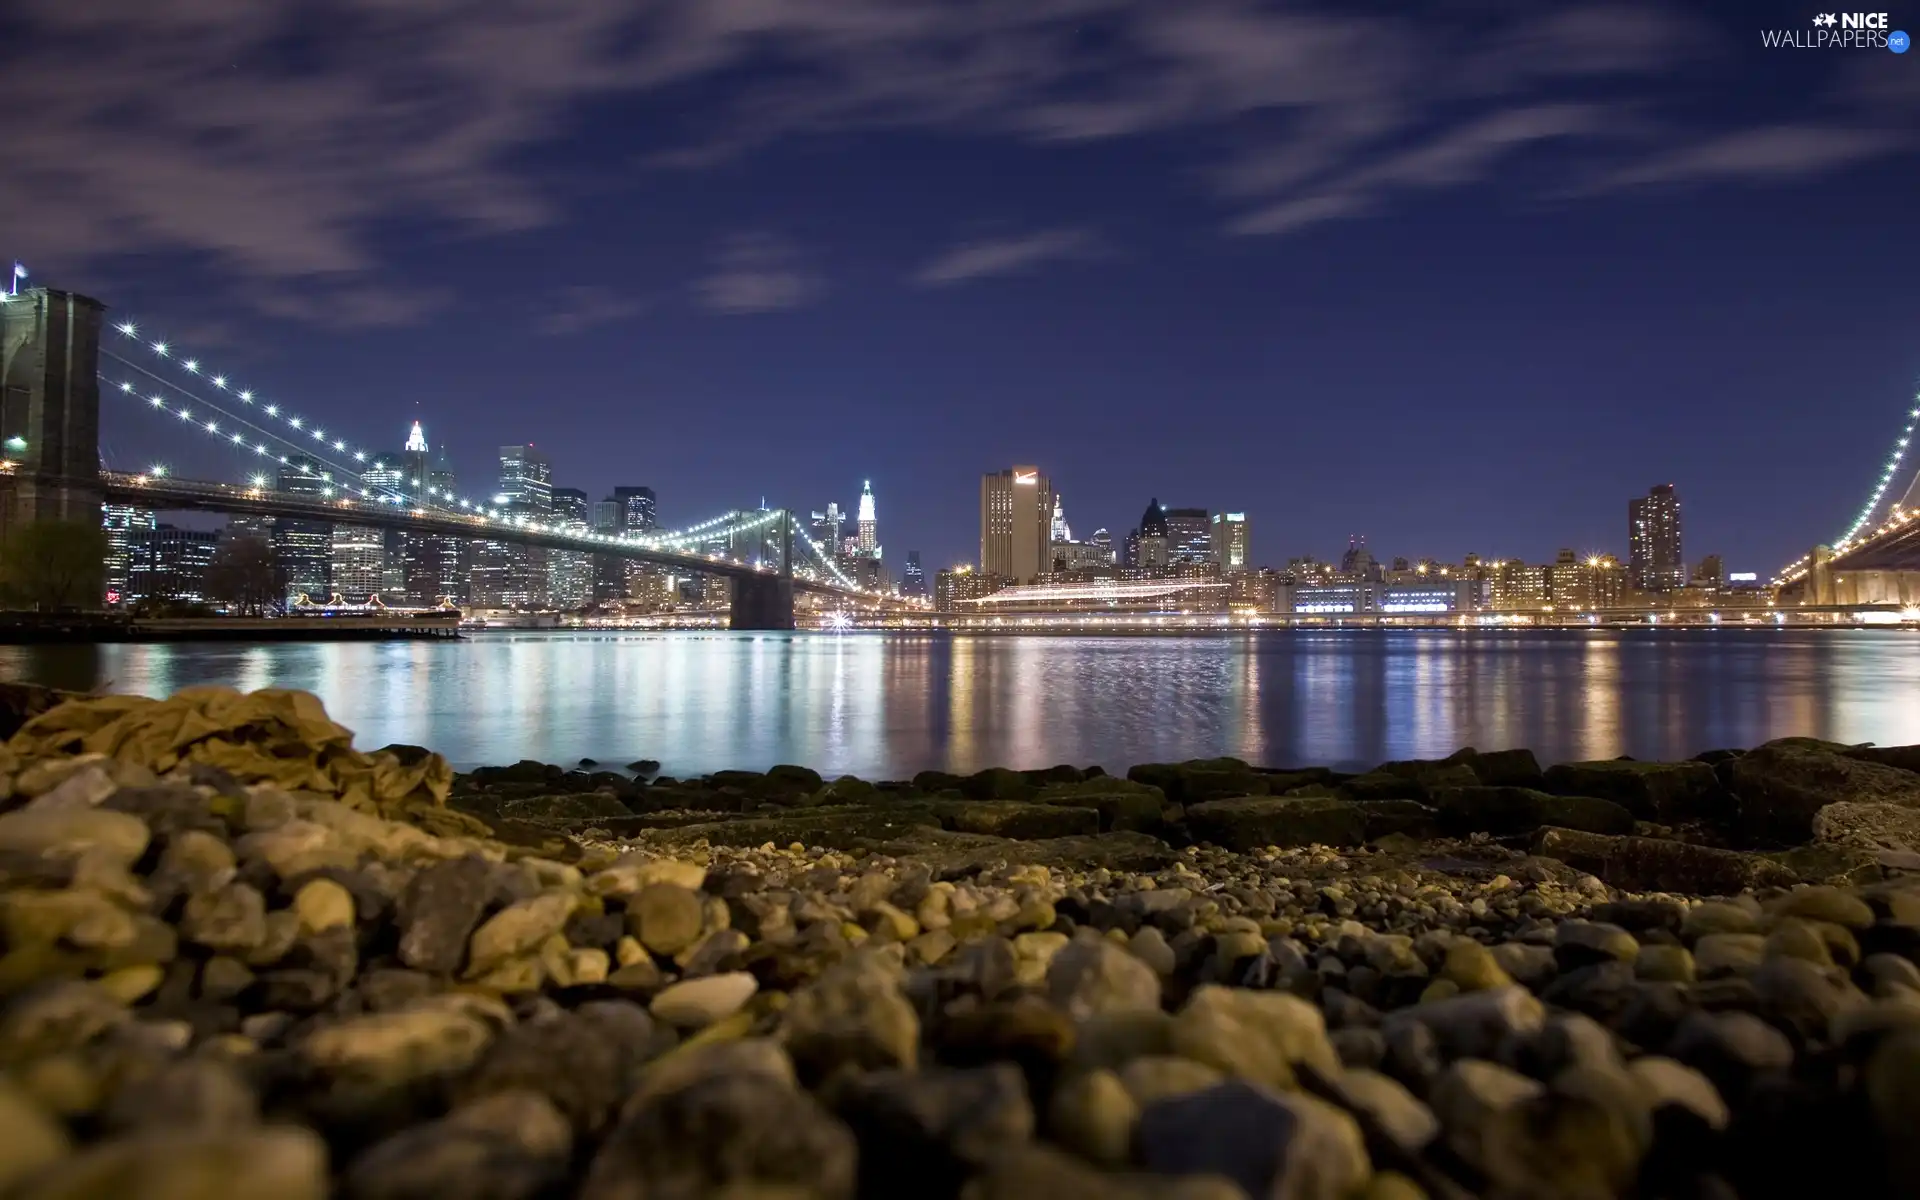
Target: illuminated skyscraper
{"points": [[1653, 538], [1231, 539], [1016, 524], [868, 525], [570, 572], [1061, 532], [304, 548], [359, 562], [526, 491], [1189, 535], [1153, 540], [123, 524], [913, 579]]}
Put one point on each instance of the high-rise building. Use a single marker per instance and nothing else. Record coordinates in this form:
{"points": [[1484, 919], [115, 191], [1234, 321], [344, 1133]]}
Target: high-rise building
{"points": [[386, 478], [1016, 519], [1653, 538], [1231, 538], [165, 563], [304, 548], [1711, 572], [1062, 532], [950, 588], [1102, 541], [1513, 585], [826, 528], [1153, 540], [570, 572], [526, 494], [913, 578], [122, 523], [642, 508], [867, 525], [359, 568], [1189, 535]]}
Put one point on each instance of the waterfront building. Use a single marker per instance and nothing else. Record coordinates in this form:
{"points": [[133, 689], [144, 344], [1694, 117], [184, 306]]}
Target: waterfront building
{"points": [[867, 524], [1231, 539], [1130, 549], [1153, 539], [387, 479], [954, 587], [570, 572], [913, 577], [1711, 572], [1074, 556], [165, 563], [1358, 564], [122, 523], [1653, 540], [1353, 597], [359, 563], [305, 548], [1189, 535], [1253, 590], [1184, 588], [1016, 519], [526, 493], [1516, 586]]}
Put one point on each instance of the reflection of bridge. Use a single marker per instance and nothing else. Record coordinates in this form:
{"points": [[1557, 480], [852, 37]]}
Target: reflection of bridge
{"points": [[50, 385]]}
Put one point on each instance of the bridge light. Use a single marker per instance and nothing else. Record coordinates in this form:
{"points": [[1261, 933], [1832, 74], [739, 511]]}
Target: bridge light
{"points": [[248, 397], [185, 415], [126, 387], [359, 456], [193, 366], [128, 328], [220, 381], [238, 438], [294, 421], [213, 427], [158, 402], [158, 471], [160, 348]]}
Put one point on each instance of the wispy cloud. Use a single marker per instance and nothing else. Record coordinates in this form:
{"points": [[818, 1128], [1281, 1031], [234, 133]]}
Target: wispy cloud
{"points": [[1004, 256], [757, 273], [1773, 152], [583, 307]]}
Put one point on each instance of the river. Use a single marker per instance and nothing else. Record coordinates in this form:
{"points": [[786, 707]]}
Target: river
{"points": [[887, 705]]}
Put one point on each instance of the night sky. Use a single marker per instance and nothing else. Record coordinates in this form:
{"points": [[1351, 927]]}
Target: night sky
{"points": [[1463, 277]]}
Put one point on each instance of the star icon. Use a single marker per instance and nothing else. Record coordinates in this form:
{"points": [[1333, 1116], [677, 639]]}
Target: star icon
{"points": [[1825, 19]]}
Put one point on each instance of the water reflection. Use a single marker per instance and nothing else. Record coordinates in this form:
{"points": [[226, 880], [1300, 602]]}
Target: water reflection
{"points": [[885, 706]]}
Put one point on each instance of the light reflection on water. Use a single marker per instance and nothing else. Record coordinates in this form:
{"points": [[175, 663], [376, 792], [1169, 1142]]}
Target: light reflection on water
{"points": [[881, 705]]}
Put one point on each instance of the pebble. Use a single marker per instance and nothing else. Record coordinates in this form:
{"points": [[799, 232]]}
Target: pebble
{"points": [[696, 1003]]}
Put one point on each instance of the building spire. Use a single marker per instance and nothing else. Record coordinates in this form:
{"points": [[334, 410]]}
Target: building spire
{"points": [[417, 440]]}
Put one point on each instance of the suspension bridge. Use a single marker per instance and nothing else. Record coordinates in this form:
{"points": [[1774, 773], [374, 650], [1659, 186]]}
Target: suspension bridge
{"points": [[59, 357]]}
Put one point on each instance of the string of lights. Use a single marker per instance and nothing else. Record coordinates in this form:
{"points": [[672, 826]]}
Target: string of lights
{"points": [[1858, 532]]}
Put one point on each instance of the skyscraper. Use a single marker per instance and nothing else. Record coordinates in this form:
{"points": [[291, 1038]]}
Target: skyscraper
{"points": [[123, 523], [825, 528], [1153, 539], [868, 525], [1062, 532], [913, 579], [1231, 539], [304, 548], [1653, 538], [1189, 535], [642, 508], [570, 572], [526, 494], [359, 562], [165, 563], [1016, 519]]}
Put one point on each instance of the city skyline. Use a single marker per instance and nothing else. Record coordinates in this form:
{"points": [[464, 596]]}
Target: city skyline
{"points": [[1450, 253]]}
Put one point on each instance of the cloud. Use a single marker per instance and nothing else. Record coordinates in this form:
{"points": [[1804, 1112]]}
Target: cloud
{"points": [[580, 308], [1772, 152], [1004, 256], [757, 273], [350, 304]]}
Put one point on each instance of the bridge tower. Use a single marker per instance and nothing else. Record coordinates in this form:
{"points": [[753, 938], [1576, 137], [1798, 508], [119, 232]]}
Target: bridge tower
{"points": [[766, 601], [50, 407]]}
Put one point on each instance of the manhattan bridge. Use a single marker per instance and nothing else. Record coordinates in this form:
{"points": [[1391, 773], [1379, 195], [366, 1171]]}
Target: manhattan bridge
{"points": [[61, 360]]}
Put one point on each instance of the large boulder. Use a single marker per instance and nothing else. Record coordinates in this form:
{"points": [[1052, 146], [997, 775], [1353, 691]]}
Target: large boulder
{"points": [[1120, 804], [1652, 791], [1869, 826], [1907, 758], [1779, 788], [1506, 768], [1250, 822], [1013, 819], [1511, 810], [1639, 864], [1202, 779]]}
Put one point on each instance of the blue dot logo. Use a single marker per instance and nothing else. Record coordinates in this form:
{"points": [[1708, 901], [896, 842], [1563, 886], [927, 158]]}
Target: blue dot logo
{"points": [[1898, 41]]}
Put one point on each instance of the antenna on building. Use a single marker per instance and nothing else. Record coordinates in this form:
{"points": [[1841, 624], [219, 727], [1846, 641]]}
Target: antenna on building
{"points": [[13, 284]]}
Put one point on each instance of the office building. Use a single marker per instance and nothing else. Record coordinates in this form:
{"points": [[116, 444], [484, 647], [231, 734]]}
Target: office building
{"points": [[1576, 584], [828, 528], [1189, 535], [169, 564], [525, 495], [867, 525], [1016, 523], [359, 566], [304, 548], [1153, 539], [1061, 532], [913, 577], [122, 523], [1103, 542], [1079, 556], [1231, 539], [1516, 586], [570, 572], [642, 508], [1653, 540], [1711, 572], [951, 589]]}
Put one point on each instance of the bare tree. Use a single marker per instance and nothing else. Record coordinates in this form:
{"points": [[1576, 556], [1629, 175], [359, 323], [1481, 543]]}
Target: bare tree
{"points": [[242, 574], [53, 565]]}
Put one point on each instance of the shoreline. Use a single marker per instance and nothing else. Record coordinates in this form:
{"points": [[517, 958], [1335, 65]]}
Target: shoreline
{"points": [[240, 948]]}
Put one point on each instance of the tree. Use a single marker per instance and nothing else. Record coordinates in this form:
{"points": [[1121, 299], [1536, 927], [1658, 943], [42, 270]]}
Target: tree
{"points": [[242, 574], [53, 565]]}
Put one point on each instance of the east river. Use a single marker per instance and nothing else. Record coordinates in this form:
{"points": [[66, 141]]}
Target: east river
{"points": [[887, 705]]}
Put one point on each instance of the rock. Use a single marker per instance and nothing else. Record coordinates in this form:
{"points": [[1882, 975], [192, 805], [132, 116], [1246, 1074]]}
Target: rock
{"points": [[510, 1145], [518, 929], [1719, 954], [585, 1062], [696, 1003], [439, 911], [854, 1014], [1507, 768], [186, 1097], [1020, 821], [1139, 809], [1389, 1105], [1273, 1144], [1470, 1098], [1510, 810], [1473, 968], [1474, 1024], [1093, 1114], [1664, 963], [1659, 865], [393, 1048], [730, 1132], [1730, 1048], [1249, 824], [665, 917], [1254, 1035], [55, 1017], [255, 1164], [31, 1139], [1892, 1088], [924, 1132], [323, 904], [67, 833], [1666, 1083], [1582, 943], [1092, 975], [1868, 826], [1779, 788], [1651, 791]]}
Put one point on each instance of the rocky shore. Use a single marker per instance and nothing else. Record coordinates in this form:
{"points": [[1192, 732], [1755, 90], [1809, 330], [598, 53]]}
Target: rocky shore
{"points": [[245, 959]]}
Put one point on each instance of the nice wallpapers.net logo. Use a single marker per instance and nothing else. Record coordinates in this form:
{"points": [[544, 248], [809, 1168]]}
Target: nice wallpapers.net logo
{"points": [[1840, 31]]}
